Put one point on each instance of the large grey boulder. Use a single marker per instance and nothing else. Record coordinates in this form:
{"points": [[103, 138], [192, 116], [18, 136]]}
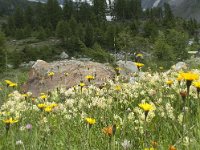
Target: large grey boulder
{"points": [[179, 66], [127, 67], [68, 73], [64, 55]]}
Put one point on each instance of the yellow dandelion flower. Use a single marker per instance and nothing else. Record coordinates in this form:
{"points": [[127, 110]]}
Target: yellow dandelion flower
{"points": [[50, 74], [53, 105], [8, 82], [189, 76], [10, 95], [89, 77], [169, 82], [139, 55], [43, 96], [25, 95], [146, 106], [48, 109], [66, 74], [161, 68], [90, 121], [139, 65], [41, 106], [82, 84], [150, 148], [118, 88], [10, 121], [197, 84], [118, 68], [13, 85]]}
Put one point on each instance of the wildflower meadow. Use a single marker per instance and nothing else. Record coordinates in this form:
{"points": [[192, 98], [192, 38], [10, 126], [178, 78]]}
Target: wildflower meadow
{"points": [[155, 111]]}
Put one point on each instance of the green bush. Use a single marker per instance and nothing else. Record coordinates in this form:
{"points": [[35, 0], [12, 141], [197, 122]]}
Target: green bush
{"points": [[98, 54]]}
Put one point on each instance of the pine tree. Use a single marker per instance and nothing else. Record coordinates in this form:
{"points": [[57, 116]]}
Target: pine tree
{"points": [[18, 18], [28, 16], [89, 35], [168, 16], [54, 12], [100, 9], [68, 10], [41, 18], [120, 7], [2, 52]]}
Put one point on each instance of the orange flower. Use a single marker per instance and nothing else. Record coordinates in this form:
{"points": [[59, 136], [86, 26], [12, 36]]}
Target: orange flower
{"points": [[172, 147], [110, 130]]}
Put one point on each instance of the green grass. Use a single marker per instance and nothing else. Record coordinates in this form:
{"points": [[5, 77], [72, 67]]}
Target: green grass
{"points": [[65, 127]]}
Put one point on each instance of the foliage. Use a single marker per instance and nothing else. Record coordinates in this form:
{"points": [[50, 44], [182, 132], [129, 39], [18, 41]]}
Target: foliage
{"points": [[116, 116], [80, 24], [2, 52]]}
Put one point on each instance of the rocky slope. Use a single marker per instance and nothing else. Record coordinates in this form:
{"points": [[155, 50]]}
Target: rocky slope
{"points": [[182, 8]]}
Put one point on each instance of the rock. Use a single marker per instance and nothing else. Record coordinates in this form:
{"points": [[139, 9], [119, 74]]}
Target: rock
{"points": [[84, 59], [63, 55], [39, 81], [27, 65], [10, 66], [179, 66], [127, 68]]}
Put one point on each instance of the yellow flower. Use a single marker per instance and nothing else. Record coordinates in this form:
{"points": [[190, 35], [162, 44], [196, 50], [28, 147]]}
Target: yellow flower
{"points": [[25, 95], [82, 84], [13, 84], [10, 95], [66, 74], [118, 68], [139, 55], [189, 76], [50, 74], [139, 65], [10, 121], [43, 96], [118, 88], [197, 84], [169, 82], [89, 77], [149, 148], [8, 82], [90, 121], [48, 109], [53, 105], [146, 106], [42, 106]]}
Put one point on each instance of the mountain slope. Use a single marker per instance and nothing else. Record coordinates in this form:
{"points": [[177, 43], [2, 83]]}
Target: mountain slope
{"points": [[181, 8]]}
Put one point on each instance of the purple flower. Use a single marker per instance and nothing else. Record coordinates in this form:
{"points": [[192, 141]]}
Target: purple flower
{"points": [[28, 126]]}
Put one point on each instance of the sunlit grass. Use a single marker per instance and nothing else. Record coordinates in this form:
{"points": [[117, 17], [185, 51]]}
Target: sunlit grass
{"points": [[119, 115]]}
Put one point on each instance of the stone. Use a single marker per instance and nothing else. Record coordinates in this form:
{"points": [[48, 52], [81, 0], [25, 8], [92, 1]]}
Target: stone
{"points": [[127, 67], [64, 55], [179, 66], [39, 81]]}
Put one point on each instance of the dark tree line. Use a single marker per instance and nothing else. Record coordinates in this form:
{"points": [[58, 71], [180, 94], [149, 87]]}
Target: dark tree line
{"points": [[82, 27]]}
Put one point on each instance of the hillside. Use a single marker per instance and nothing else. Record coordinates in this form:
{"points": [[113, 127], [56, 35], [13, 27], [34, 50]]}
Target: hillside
{"points": [[181, 8], [8, 6]]}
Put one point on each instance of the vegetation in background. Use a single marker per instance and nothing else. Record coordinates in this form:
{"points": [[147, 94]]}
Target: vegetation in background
{"points": [[79, 26]]}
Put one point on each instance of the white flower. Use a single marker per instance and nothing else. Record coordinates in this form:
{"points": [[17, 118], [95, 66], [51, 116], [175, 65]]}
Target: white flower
{"points": [[19, 142], [126, 144], [131, 116], [22, 128], [180, 118]]}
